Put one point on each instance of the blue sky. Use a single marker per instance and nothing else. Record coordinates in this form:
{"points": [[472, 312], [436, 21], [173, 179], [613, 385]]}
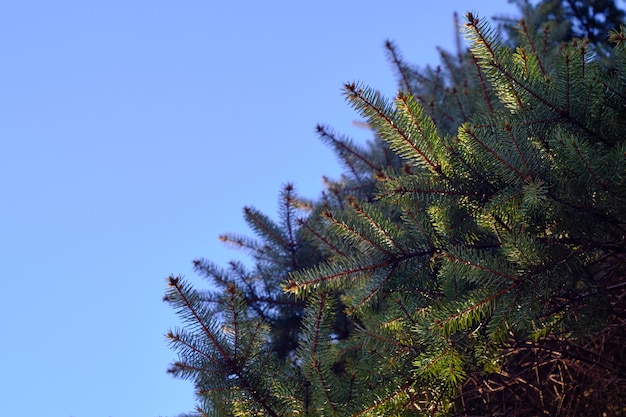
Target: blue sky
{"points": [[132, 135]]}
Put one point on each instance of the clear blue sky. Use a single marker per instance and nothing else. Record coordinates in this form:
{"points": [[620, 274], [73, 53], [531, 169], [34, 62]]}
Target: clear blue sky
{"points": [[132, 134]]}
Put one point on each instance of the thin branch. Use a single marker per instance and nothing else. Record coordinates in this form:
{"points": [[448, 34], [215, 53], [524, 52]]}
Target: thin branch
{"points": [[357, 94]]}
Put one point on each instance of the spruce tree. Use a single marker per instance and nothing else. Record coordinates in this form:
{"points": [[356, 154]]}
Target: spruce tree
{"points": [[470, 262]]}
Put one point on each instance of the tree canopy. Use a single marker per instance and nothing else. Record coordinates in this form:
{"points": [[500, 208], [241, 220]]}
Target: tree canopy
{"points": [[470, 262]]}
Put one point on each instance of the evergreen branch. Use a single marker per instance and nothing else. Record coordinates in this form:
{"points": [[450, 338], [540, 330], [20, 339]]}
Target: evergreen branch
{"points": [[502, 321], [436, 82], [322, 238], [508, 127], [209, 270], [178, 365], [334, 190], [474, 307], [256, 396], [356, 94], [390, 359], [382, 230], [523, 254], [483, 40], [439, 109], [401, 346], [504, 205], [480, 267], [424, 125], [252, 337], [371, 293], [261, 253], [526, 33], [388, 156], [355, 232], [434, 191], [573, 253], [288, 213], [325, 388], [545, 40], [385, 400], [318, 320], [470, 132], [436, 360], [293, 378], [618, 167], [274, 301], [344, 148], [265, 226], [174, 282], [583, 63], [483, 84], [397, 61], [409, 213], [208, 392], [351, 348], [561, 113], [292, 285], [201, 412], [241, 242], [452, 70], [589, 95], [403, 307], [457, 37], [471, 168], [567, 83], [586, 209], [536, 95], [458, 102], [587, 167], [319, 317], [613, 90], [232, 292], [176, 338]]}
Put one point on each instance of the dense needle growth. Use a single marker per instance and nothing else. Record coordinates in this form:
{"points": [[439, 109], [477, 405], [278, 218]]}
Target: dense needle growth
{"points": [[470, 262]]}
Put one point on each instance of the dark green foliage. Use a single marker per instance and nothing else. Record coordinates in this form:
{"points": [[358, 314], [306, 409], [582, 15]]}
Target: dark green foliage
{"points": [[590, 19], [471, 262], [558, 22]]}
